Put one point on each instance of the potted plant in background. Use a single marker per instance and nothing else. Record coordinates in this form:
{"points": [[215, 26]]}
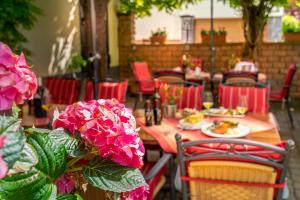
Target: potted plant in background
{"points": [[291, 28], [159, 36], [171, 96], [219, 35], [77, 64]]}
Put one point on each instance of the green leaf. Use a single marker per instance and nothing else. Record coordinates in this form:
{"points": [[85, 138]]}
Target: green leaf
{"points": [[51, 155], [113, 177], [28, 159], [37, 130], [14, 142], [38, 183], [70, 143], [69, 197]]}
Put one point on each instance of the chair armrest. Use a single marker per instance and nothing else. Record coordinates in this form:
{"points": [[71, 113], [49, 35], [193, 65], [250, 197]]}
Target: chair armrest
{"points": [[158, 166]]}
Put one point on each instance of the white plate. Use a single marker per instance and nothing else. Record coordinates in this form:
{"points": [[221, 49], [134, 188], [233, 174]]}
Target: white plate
{"points": [[242, 131], [187, 126], [218, 112]]}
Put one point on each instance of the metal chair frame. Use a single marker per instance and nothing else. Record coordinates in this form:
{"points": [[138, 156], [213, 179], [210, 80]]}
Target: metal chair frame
{"points": [[233, 153]]}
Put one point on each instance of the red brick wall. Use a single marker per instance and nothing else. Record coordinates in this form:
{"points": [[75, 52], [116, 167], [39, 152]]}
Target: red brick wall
{"points": [[274, 57]]}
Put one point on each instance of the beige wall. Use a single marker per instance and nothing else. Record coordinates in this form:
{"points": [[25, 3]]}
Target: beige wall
{"points": [[55, 36], [233, 26], [113, 33]]}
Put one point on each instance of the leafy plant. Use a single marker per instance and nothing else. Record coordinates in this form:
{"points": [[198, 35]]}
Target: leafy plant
{"points": [[290, 24], [77, 62], [172, 94], [159, 32], [220, 31], [45, 164], [143, 7], [14, 16]]}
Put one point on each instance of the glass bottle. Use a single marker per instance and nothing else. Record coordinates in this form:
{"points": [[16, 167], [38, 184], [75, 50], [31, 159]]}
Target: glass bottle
{"points": [[157, 112], [148, 113]]}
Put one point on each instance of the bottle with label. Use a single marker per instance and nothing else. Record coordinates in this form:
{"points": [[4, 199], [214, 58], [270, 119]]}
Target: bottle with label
{"points": [[148, 113], [157, 112]]}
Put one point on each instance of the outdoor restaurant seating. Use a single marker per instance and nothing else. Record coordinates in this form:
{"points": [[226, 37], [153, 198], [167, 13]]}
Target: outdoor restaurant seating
{"points": [[143, 78], [283, 95], [107, 90], [189, 93], [62, 90], [237, 76], [256, 95], [232, 169]]}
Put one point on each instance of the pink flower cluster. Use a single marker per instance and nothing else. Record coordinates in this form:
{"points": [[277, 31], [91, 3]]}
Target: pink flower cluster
{"points": [[65, 183], [140, 193], [17, 81], [3, 166], [108, 126]]}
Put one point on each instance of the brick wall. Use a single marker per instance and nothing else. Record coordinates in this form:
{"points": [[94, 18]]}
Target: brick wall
{"points": [[274, 57]]}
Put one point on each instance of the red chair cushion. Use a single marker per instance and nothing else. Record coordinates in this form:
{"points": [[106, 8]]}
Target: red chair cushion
{"points": [[109, 90], [143, 76], [276, 96], [257, 97], [190, 97], [154, 181], [62, 91]]}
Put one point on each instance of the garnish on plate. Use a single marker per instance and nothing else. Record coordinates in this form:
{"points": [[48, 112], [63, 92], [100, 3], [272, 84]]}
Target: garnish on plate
{"points": [[224, 127]]}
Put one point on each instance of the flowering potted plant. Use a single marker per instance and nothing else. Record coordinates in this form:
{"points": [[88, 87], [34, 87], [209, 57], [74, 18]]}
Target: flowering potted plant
{"points": [[291, 28], [219, 35], [171, 96], [93, 142], [159, 36], [17, 81]]}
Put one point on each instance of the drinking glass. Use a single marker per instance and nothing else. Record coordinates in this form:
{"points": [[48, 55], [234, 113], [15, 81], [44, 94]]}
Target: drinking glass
{"points": [[242, 106], [207, 100]]}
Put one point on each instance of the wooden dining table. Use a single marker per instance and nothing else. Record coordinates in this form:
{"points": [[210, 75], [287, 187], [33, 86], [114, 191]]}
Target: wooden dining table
{"points": [[262, 129]]}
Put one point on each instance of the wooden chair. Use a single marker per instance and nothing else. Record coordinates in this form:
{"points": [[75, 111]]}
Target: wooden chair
{"points": [[62, 90], [257, 96], [283, 95], [234, 169], [232, 77], [169, 75]]}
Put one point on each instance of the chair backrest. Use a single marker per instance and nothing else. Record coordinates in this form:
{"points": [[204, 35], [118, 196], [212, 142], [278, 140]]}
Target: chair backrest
{"points": [[288, 80], [62, 91], [169, 75], [108, 90], [188, 93], [141, 71], [257, 97], [237, 76], [232, 169]]}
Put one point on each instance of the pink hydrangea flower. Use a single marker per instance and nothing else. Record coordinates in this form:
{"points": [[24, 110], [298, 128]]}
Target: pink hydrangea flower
{"points": [[17, 81], [65, 183], [140, 193], [107, 125], [3, 166]]}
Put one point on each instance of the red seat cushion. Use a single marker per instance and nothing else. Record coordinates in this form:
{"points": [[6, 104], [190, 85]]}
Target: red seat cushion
{"points": [[154, 181], [257, 97], [190, 97], [276, 96], [109, 90], [62, 91], [143, 76]]}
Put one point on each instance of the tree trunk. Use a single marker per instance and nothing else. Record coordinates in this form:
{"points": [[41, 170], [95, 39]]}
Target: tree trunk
{"points": [[255, 18]]}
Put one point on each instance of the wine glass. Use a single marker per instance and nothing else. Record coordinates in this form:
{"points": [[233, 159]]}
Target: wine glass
{"points": [[207, 100], [242, 106]]}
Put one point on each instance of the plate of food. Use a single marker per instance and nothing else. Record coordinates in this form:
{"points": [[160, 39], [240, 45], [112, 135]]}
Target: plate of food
{"points": [[223, 112], [225, 129], [192, 122], [188, 111]]}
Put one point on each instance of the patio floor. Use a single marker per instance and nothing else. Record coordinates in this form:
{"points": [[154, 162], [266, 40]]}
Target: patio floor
{"points": [[286, 132]]}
